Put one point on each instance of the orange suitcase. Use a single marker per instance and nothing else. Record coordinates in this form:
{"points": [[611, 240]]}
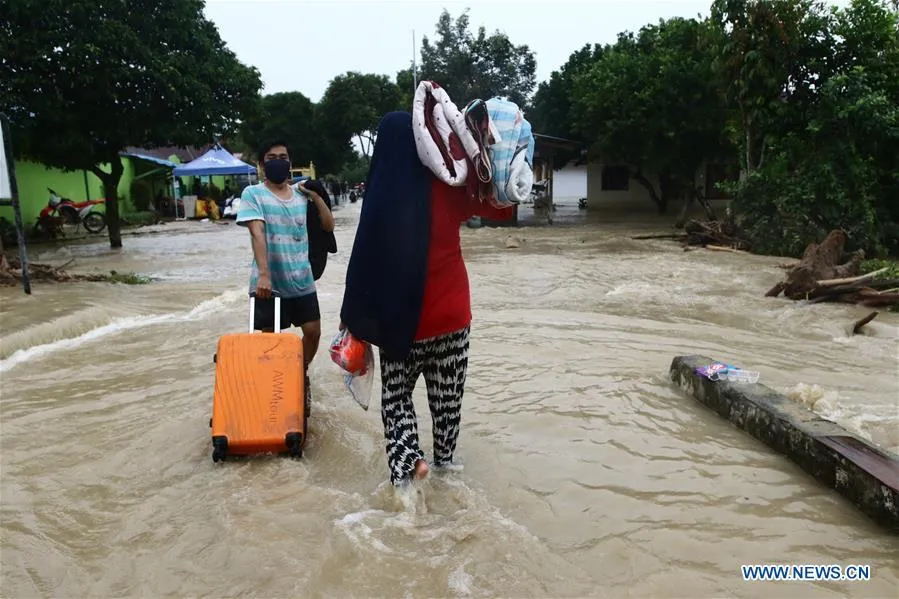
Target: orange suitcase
{"points": [[259, 403]]}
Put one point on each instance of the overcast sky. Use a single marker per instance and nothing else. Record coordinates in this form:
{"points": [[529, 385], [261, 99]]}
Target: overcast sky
{"points": [[300, 45]]}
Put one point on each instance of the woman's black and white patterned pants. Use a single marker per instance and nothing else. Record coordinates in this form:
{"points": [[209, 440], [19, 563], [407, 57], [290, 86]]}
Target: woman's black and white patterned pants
{"points": [[444, 362]]}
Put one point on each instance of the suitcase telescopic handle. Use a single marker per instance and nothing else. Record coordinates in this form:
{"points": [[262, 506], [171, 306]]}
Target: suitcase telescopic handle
{"points": [[277, 297]]}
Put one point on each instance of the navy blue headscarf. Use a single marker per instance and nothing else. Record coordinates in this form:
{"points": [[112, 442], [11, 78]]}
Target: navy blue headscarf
{"points": [[385, 279]]}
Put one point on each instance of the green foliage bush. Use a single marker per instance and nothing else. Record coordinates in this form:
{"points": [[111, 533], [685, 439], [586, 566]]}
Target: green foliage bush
{"points": [[801, 97]]}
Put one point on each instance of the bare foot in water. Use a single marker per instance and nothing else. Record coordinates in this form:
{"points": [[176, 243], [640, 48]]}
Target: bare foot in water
{"points": [[421, 470]]}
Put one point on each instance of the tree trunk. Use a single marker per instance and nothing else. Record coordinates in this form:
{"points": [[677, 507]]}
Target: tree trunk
{"points": [[685, 211], [690, 194], [663, 205], [4, 264], [111, 193], [660, 202], [669, 188], [749, 166], [366, 149]]}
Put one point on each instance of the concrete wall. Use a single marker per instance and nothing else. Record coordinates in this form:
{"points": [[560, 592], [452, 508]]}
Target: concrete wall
{"points": [[570, 183], [863, 473]]}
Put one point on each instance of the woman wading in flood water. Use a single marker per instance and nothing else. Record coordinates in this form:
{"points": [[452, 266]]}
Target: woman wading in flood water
{"points": [[407, 293]]}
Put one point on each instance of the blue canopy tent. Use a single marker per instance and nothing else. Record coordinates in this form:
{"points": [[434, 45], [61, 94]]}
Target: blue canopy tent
{"points": [[216, 161]]}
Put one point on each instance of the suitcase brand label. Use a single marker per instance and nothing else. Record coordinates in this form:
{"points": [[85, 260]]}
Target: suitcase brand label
{"points": [[277, 396], [268, 357]]}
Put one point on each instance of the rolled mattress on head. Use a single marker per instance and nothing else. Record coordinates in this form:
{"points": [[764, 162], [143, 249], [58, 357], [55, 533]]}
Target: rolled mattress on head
{"points": [[513, 154]]}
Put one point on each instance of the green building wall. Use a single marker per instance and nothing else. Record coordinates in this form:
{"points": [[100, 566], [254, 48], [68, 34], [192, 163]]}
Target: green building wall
{"points": [[34, 178]]}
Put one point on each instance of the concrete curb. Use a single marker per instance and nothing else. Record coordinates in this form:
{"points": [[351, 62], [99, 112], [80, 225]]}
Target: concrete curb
{"points": [[866, 475]]}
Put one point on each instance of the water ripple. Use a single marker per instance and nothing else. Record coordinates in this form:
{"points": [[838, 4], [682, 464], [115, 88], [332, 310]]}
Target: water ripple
{"points": [[586, 473]]}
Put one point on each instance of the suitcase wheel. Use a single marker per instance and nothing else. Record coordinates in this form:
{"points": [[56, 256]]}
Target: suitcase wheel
{"points": [[219, 448], [210, 423], [215, 358], [294, 442]]}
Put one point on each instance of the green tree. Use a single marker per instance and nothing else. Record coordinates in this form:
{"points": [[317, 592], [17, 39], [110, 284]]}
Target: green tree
{"points": [[81, 80], [355, 170], [551, 112], [354, 103], [831, 157], [332, 150], [649, 101], [293, 117], [288, 116], [767, 51], [479, 66]]}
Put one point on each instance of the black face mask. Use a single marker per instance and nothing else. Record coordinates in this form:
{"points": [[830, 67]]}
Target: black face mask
{"points": [[277, 170]]}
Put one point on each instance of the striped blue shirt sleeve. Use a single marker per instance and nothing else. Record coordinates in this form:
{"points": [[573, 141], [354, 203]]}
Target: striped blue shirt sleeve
{"points": [[249, 207]]}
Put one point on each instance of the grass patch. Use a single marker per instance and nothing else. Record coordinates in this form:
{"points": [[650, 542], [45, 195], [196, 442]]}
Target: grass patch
{"points": [[44, 273], [872, 265]]}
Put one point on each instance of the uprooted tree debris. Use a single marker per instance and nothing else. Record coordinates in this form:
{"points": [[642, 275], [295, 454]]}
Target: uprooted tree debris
{"points": [[11, 274], [860, 324], [719, 233], [722, 234], [824, 274]]}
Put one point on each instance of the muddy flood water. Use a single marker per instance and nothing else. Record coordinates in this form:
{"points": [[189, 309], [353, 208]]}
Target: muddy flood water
{"points": [[586, 474]]}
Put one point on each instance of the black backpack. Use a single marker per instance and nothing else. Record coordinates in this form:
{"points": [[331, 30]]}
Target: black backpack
{"points": [[321, 242]]}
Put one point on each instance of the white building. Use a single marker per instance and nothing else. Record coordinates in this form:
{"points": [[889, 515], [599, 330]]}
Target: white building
{"points": [[612, 187]]}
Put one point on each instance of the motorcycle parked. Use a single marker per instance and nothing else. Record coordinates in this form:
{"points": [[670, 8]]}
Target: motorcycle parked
{"points": [[543, 204], [63, 211]]}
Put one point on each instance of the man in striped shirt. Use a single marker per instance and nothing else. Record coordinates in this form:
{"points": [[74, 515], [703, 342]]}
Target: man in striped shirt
{"points": [[275, 213]]}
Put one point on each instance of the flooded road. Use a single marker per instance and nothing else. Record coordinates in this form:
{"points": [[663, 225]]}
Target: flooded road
{"points": [[586, 474]]}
